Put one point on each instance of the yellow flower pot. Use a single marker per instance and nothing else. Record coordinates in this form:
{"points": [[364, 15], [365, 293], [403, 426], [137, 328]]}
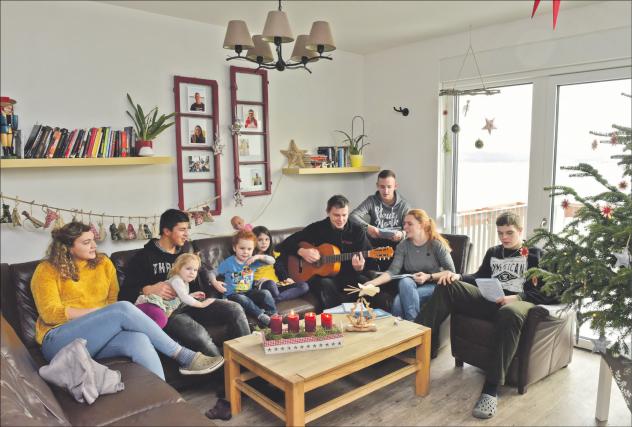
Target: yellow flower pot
{"points": [[356, 160]]}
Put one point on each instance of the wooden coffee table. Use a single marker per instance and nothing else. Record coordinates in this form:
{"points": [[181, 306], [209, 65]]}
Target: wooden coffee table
{"points": [[300, 372]]}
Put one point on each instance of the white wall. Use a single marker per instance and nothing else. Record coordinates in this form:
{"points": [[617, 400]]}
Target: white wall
{"points": [[411, 76], [70, 64]]}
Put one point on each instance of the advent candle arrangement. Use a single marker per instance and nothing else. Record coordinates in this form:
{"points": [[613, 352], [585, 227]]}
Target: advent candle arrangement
{"points": [[292, 322], [310, 322], [276, 324], [326, 320]]}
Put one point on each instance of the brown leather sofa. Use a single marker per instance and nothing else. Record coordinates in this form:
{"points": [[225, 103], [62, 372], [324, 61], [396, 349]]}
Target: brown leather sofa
{"points": [[19, 309], [546, 343], [26, 399]]}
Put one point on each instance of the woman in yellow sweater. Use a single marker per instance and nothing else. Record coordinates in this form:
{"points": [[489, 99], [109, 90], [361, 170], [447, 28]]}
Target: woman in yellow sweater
{"points": [[75, 291]]}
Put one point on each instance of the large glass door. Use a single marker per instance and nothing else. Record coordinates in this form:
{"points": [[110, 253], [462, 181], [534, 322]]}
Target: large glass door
{"points": [[492, 163]]}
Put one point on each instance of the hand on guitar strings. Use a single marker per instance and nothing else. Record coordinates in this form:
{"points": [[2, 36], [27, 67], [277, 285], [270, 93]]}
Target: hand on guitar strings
{"points": [[358, 262]]}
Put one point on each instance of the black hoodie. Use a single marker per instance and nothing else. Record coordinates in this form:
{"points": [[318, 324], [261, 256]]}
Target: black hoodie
{"points": [[150, 265]]}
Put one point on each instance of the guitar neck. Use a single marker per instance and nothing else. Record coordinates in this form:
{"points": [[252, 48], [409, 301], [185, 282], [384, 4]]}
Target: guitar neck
{"points": [[329, 259]]}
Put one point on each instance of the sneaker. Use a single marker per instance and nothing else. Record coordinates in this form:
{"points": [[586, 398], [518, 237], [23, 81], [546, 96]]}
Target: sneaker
{"points": [[221, 410], [202, 364], [485, 407]]}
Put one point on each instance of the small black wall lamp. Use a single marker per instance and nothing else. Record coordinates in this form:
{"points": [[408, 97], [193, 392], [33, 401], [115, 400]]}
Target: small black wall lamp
{"points": [[404, 110]]}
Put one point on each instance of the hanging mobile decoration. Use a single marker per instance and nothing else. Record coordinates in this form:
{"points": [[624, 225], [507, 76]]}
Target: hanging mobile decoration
{"points": [[235, 128], [238, 197], [121, 229], [29, 215], [478, 91], [447, 147], [489, 125], [59, 221], [102, 233], [50, 217], [455, 128], [466, 108], [217, 146], [479, 143], [131, 233], [6, 214], [594, 144]]}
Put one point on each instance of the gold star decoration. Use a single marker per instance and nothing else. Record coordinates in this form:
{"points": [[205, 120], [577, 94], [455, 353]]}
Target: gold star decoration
{"points": [[489, 125], [294, 156]]}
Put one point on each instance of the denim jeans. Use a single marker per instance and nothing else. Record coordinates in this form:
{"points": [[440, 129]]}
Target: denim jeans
{"points": [[187, 325], [288, 292], [255, 302], [119, 329], [411, 297]]}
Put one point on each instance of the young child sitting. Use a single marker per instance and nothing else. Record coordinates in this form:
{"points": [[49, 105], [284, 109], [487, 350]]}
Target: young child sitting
{"points": [[183, 272], [270, 277], [238, 271]]}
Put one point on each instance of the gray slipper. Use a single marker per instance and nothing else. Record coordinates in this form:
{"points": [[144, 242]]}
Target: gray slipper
{"points": [[485, 407]]}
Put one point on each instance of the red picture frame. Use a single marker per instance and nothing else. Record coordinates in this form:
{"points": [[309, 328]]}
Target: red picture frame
{"points": [[251, 148], [197, 128]]}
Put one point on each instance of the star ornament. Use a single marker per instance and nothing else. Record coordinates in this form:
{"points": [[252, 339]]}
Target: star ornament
{"points": [[606, 211], [524, 251], [594, 144], [489, 125], [623, 185], [294, 156], [565, 204], [623, 259]]}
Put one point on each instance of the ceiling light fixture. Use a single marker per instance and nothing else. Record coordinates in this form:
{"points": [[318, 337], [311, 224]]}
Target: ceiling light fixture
{"points": [[277, 31]]}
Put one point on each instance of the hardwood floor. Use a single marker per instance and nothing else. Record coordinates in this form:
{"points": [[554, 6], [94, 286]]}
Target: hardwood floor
{"points": [[566, 398]]}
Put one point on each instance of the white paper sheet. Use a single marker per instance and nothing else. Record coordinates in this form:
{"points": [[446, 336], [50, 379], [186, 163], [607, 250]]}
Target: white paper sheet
{"points": [[490, 288]]}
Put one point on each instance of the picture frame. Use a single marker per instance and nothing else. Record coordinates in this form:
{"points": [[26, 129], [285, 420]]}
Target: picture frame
{"points": [[196, 99], [196, 132], [251, 148], [251, 117], [252, 177], [199, 173], [197, 165]]}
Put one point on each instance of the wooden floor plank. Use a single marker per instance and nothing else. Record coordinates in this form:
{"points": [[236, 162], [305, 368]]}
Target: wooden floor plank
{"points": [[566, 398]]}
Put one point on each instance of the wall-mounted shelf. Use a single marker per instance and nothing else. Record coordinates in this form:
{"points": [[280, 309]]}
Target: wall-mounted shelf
{"points": [[322, 171], [76, 162]]}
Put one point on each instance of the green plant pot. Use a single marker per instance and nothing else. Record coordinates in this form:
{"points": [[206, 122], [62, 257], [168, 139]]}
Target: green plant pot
{"points": [[356, 160]]}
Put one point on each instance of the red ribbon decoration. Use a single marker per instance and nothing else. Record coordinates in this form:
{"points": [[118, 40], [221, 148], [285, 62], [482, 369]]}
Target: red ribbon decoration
{"points": [[556, 9]]}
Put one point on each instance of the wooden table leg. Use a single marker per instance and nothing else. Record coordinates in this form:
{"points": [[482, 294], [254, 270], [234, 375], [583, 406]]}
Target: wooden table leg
{"points": [[231, 372], [422, 376], [295, 402]]}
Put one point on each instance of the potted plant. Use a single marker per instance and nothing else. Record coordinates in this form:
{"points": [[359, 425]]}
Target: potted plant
{"points": [[356, 145], [148, 126]]}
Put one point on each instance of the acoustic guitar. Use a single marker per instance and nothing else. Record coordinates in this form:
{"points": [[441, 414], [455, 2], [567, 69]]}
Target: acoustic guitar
{"points": [[329, 262]]}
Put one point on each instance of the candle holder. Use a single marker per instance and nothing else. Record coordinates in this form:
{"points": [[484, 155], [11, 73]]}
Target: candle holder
{"points": [[362, 322], [288, 342]]}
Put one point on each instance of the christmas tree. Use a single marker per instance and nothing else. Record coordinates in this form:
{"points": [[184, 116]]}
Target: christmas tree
{"points": [[588, 262]]}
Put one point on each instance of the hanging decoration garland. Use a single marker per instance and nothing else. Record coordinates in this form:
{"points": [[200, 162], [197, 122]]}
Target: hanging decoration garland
{"points": [[556, 10], [53, 217]]}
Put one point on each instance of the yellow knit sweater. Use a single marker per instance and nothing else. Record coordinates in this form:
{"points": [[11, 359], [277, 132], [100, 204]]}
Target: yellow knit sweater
{"points": [[266, 272], [95, 288]]}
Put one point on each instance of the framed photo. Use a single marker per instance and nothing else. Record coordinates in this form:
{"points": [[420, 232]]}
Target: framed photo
{"points": [[197, 164], [251, 148], [197, 132], [251, 117], [252, 177], [196, 99]]}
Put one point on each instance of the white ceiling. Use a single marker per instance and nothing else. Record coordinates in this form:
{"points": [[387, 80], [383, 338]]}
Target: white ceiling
{"points": [[360, 26]]}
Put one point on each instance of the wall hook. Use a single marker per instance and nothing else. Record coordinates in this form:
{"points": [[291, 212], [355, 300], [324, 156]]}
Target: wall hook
{"points": [[404, 110]]}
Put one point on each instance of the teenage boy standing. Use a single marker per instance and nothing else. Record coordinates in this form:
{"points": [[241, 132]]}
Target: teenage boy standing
{"points": [[147, 271]]}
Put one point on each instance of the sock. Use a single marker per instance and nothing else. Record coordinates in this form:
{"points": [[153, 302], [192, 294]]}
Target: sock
{"points": [[185, 357], [490, 388], [264, 318]]}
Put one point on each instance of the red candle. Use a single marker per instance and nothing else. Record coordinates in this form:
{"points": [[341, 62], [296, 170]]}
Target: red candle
{"points": [[310, 322], [326, 320], [276, 324], [292, 322]]}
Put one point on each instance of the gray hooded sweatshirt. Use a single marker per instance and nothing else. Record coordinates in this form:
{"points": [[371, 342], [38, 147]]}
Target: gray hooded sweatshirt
{"points": [[378, 214]]}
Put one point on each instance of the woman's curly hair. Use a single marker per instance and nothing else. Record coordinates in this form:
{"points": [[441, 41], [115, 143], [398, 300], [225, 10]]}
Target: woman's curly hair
{"points": [[58, 252]]}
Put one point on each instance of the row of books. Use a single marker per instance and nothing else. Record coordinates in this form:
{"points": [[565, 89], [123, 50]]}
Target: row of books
{"points": [[58, 143]]}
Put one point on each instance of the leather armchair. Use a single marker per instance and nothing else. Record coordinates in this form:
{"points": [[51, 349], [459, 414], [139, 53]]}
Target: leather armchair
{"points": [[546, 344]]}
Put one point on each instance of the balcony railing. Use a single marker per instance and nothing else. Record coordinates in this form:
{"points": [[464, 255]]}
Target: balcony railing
{"points": [[480, 225]]}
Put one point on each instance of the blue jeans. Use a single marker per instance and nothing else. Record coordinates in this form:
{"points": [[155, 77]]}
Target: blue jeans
{"points": [[288, 292], [411, 297], [255, 302], [119, 329]]}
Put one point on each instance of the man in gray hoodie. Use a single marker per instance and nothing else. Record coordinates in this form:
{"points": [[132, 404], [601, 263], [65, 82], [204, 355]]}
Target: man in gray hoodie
{"points": [[382, 214]]}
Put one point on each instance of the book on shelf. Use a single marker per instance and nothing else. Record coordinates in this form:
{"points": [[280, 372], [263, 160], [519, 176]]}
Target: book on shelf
{"points": [[97, 142]]}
